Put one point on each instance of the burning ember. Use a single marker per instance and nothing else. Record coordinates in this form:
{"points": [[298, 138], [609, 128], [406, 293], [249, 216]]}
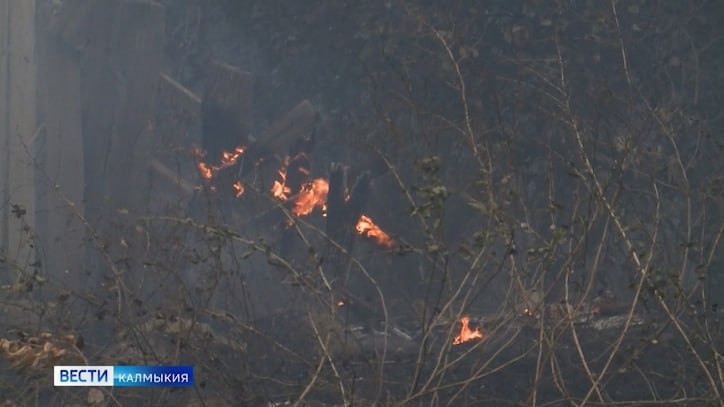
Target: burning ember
{"points": [[366, 227], [313, 194], [228, 158], [280, 190], [238, 188], [206, 172], [466, 334]]}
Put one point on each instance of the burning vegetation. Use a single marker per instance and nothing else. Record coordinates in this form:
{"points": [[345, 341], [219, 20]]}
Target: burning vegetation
{"points": [[238, 188], [228, 159], [311, 195], [466, 334], [366, 227], [279, 189]]}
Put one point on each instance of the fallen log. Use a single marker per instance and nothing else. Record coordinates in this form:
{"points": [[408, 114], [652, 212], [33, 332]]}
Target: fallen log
{"points": [[172, 177], [300, 123], [179, 107]]}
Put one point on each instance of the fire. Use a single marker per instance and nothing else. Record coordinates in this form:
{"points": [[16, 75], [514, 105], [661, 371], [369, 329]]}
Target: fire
{"points": [[466, 334], [312, 195], [280, 190], [366, 227], [228, 158], [205, 170], [238, 188]]}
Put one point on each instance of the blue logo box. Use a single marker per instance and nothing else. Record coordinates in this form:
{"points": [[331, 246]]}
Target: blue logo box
{"points": [[148, 376], [124, 376]]}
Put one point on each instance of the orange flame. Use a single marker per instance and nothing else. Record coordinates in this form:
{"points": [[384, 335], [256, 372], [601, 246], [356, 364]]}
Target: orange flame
{"points": [[228, 158], [205, 171], [366, 227], [466, 334], [280, 190], [238, 188], [312, 195]]}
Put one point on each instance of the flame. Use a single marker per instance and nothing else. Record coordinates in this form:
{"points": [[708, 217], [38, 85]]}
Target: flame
{"points": [[205, 171], [312, 195], [466, 334], [280, 190], [366, 227], [238, 188], [228, 158]]}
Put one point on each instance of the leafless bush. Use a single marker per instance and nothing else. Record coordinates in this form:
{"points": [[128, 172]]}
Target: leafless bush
{"points": [[540, 175]]}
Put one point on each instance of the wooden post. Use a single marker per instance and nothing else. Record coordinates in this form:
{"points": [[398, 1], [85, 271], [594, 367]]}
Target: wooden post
{"points": [[120, 45], [18, 128], [59, 148], [135, 67]]}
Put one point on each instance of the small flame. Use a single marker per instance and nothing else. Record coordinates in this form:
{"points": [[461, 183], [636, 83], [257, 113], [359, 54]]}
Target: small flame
{"points": [[366, 227], [228, 158], [205, 171], [238, 189], [280, 190], [312, 195], [466, 334]]}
